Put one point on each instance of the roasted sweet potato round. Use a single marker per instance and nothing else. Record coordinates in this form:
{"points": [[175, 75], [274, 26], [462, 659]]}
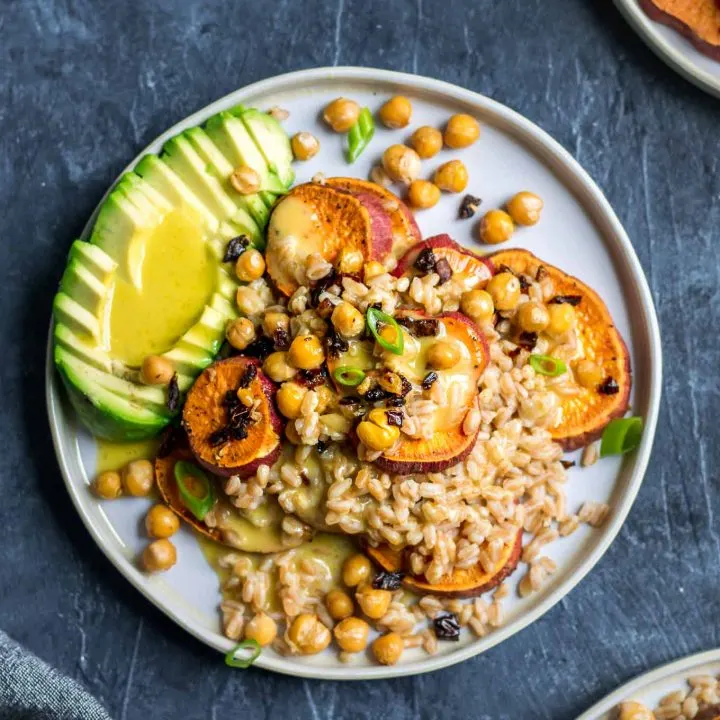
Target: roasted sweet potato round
{"points": [[226, 437], [585, 414], [463, 583], [380, 201], [314, 218]]}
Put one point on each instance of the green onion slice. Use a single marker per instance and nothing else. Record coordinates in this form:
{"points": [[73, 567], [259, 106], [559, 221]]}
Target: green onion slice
{"points": [[246, 660], [196, 491], [375, 316], [360, 135], [349, 376], [621, 436], [547, 365]]}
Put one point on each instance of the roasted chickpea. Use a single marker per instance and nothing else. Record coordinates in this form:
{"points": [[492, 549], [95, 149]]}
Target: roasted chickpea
{"points": [[308, 634], [443, 355], [277, 367], [401, 163], [250, 265], [341, 114], [589, 374], [376, 437], [525, 208], [372, 270], [156, 370], [372, 601], [347, 320], [159, 555], [245, 396], [496, 227], [427, 141], [326, 397], [289, 399], [274, 322], [635, 711], [161, 522], [350, 261], [356, 570], [306, 352], [478, 305], [380, 177], [462, 131], [352, 634], [396, 112], [138, 478], [339, 604], [451, 176], [423, 194], [240, 333], [245, 180], [107, 485], [504, 289], [248, 301], [388, 648], [262, 628], [532, 317], [562, 318], [304, 146]]}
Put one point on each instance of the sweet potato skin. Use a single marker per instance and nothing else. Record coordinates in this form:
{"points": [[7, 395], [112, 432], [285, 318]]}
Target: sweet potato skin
{"points": [[587, 414], [204, 413], [444, 245], [462, 583]]}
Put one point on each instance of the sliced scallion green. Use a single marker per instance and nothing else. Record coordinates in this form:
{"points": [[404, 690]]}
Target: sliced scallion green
{"points": [[246, 660], [621, 436], [375, 316], [349, 376], [360, 135], [198, 503], [547, 365]]}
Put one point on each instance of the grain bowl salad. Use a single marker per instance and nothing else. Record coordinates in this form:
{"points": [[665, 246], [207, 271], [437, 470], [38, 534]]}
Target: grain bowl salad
{"points": [[366, 428]]}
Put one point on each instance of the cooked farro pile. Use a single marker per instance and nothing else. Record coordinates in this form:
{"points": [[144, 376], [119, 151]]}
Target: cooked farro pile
{"points": [[699, 701]]}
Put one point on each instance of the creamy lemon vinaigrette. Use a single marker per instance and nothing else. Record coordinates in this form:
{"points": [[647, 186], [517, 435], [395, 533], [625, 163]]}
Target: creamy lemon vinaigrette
{"points": [[176, 278]]}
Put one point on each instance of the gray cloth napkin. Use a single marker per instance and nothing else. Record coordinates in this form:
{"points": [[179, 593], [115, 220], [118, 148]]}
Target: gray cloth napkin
{"points": [[31, 690]]}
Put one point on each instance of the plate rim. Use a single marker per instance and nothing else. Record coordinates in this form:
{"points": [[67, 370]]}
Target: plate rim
{"points": [[649, 32], [628, 260], [641, 681]]}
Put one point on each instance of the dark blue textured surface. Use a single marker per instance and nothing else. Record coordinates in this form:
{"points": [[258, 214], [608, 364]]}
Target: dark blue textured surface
{"points": [[84, 84]]}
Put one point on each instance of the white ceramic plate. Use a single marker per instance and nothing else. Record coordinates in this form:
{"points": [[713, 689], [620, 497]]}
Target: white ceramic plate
{"points": [[674, 49], [579, 232], [654, 685]]}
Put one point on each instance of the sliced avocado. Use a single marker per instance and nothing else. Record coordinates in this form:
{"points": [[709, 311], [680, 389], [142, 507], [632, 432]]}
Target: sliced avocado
{"points": [[272, 141]]}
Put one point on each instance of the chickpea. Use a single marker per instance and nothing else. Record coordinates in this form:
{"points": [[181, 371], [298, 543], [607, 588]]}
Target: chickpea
{"points": [[159, 555], [341, 114], [635, 711], [250, 265], [372, 270], [451, 176], [292, 434], [379, 176], [339, 604], [277, 367], [352, 634], [138, 478], [589, 374], [350, 261], [107, 485], [245, 180], [504, 289], [477, 305], [496, 227], [525, 208], [306, 352], [562, 318], [532, 317], [248, 301], [423, 194], [326, 397], [161, 522], [461, 131], [443, 355], [377, 438], [372, 601], [308, 634], [262, 628], [390, 381], [396, 112], [304, 146], [348, 320], [156, 370], [240, 333], [274, 322], [245, 396], [388, 648], [401, 163], [427, 141], [289, 399], [356, 570]]}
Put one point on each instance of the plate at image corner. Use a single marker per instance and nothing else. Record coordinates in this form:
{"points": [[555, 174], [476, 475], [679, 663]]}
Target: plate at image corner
{"points": [[578, 231], [650, 687]]}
